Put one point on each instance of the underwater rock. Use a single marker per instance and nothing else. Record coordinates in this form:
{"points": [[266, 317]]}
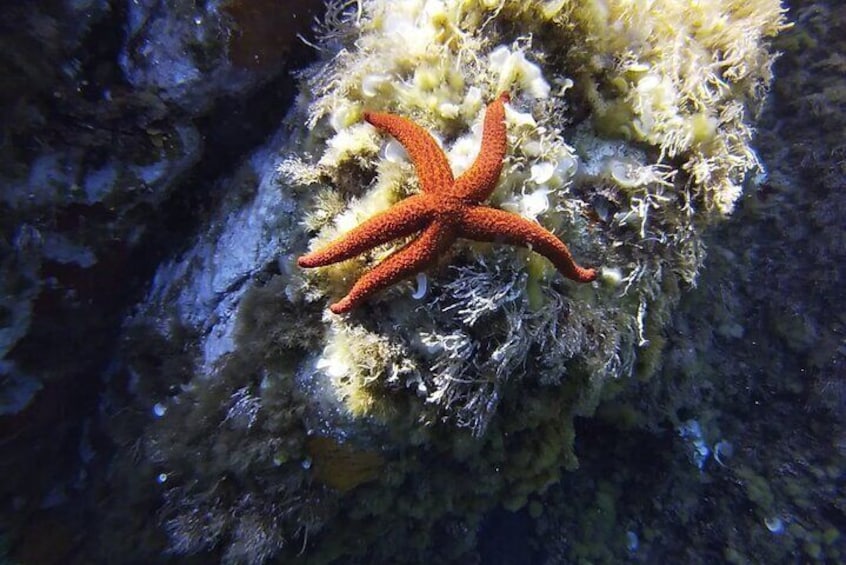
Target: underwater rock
{"points": [[628, 133], [100, 181], [191, 54], [755, 353]]}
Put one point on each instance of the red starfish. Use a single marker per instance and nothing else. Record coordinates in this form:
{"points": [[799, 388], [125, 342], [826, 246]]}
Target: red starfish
{"points": [[445, 210]]}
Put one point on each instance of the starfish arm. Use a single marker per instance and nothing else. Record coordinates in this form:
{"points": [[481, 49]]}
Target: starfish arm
{"points": [[479, 181], [404, 218], [489, 224], [429, 159], [412, 258]]}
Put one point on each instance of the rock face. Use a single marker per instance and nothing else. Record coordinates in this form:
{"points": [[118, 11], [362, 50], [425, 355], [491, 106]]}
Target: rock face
{"points": [[107, 150], [262, 427]]}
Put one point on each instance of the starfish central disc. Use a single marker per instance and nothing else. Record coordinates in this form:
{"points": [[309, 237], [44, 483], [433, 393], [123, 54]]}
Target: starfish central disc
{"points": [[445, 210]]}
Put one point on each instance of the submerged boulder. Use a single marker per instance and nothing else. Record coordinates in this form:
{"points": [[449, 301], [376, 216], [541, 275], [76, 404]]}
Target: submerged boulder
{"points": [[273, 428]]}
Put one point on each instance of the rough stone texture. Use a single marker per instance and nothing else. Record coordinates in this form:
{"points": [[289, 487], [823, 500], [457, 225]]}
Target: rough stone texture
{"points": [[108, 160]]}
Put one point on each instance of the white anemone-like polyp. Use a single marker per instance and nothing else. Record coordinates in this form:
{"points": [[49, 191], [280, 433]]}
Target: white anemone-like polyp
{"points": [[535, 203], [542, 172], [628, 174], [774, 524], [394, 152], [464, 152], [422, 287], [333, 363], [371, 84], [516, 69], [566, 167], [530, 204], [611, 276], [341, 117], [516, 119]]}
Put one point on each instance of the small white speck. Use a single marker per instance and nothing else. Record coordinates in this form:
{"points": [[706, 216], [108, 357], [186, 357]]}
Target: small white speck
{"points": [[159, 410], [632, 541]]}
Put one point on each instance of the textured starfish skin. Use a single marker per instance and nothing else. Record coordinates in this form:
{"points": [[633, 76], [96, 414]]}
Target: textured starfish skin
{"points": [[445, 210]]}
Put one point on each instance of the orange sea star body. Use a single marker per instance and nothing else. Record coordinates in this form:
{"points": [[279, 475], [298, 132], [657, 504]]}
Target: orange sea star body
{"points": [[445, 210]]}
